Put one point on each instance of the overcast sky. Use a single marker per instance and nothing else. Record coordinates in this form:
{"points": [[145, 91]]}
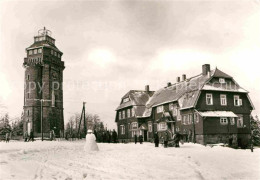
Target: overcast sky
{"points": [[111, 47]]}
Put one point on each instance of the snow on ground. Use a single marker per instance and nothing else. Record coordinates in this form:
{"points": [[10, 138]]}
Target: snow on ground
{"points": [[67, 160]]}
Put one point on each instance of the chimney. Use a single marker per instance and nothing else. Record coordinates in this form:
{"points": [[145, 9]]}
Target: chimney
{"points": [[183, 77], [178, 79], [147, 88], [169, 84], [205, 69]]}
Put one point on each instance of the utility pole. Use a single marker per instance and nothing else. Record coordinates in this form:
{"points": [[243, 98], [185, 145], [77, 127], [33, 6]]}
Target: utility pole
{"points": [[85, 124]]}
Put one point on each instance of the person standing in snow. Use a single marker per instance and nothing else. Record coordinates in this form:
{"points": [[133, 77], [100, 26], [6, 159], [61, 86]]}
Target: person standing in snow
{"points": [[166, 139], [141, 139], [135, 138], [25, 136], [7, 137], [31, 136], [156, 139], [91, 144]]}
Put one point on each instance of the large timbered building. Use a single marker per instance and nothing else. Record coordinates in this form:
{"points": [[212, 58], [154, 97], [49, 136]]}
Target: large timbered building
{"points": [[210, 108]]}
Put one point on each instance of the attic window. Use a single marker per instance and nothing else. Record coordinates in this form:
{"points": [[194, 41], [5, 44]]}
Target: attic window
{"points": [[222, 80], [126, 100], [159, 109]]}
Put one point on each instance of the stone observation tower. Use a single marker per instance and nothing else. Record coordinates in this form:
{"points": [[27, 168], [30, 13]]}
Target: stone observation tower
{"points": [[43, 93]]}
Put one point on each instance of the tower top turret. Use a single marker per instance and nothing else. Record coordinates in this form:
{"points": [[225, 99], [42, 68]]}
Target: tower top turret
{"points": [[44, 32], [44, 35]]}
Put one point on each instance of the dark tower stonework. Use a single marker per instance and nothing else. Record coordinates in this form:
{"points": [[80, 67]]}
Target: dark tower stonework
{"points": [[43, 80]]}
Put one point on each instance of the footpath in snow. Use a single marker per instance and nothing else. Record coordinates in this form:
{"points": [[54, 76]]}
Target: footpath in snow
{"points": [[67, 160]]}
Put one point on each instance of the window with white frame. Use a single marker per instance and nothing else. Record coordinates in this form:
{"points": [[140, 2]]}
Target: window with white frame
{"points": [[134, 133], [58, 55], [237, 101], [223, 121], [150, 128], [223, 100], [178, 114], [196, 118], [35, 51], [232, 121], [133, 112], [209, 99], [159, 109], [240, 121], [120, 115], [190, 118], [184, 119], [174, 110], [171, 106], [134, 125], [123, 114], [122, 129], [30, 52], [39, 50], [55, 53], [222, 80], [162, 126], [128, 113]]}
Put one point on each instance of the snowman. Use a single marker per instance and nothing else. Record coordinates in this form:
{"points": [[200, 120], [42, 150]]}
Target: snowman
{"points": [[91, 144]]}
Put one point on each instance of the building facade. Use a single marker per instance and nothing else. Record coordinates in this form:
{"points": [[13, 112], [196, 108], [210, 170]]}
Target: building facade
{"points": [[208, 108], [43, 93]]}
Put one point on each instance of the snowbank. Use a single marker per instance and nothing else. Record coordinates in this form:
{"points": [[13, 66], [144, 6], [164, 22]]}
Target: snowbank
{"points": [[67, 160]]}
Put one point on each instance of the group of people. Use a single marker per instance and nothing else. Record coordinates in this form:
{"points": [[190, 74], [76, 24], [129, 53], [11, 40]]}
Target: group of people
{"points": [[28, 137], [141, 139], [166, 138]]}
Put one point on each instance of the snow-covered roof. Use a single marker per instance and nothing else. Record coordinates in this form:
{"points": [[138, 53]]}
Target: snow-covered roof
{"points": [[217, 114], [222, 88]]}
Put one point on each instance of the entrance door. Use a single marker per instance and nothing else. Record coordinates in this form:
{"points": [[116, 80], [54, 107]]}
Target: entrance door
{"points": [[145, 135]]}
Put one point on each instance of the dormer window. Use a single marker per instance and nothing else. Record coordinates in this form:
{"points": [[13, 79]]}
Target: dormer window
{"points": [[126, 100], [221, 80]]}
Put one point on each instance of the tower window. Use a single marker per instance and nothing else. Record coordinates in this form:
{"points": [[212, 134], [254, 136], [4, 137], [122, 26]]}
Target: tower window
{"points": [[55, 54], [28, 95], [58, 55], [30, 52], [28, 112], [52, 52], [28, 77], [39, 50], [35, 51], [36, 39]]}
